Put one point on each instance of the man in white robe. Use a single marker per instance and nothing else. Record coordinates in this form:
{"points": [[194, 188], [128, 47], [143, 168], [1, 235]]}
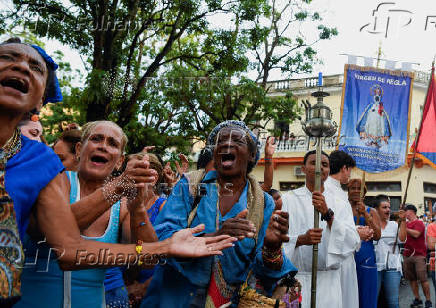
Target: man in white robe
{"points": [[336, 237], [341, 165]]}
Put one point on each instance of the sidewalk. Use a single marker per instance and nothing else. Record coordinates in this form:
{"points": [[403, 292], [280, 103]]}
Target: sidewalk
{"points": [[406, 295]]}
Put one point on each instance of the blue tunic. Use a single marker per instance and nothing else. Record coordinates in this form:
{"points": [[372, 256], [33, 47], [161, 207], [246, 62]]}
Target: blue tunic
{"points": [[26, 174], [366, 271], [175, 284]]}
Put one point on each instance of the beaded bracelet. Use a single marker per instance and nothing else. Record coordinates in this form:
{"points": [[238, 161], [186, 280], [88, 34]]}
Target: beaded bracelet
{"points": [[127, 185], [138, 249], [271, 256]]}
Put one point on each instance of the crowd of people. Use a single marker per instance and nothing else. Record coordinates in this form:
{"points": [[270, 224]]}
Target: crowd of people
{"points": [[83, 224]]}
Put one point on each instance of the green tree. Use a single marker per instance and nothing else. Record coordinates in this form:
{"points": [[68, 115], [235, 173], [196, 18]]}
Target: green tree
{"points": [[209, 96], [71, 110], [165, 73]]}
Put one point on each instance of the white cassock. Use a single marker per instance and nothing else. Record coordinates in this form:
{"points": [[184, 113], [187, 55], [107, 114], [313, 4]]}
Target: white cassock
{"points": [[350, 291], [336, 244]]}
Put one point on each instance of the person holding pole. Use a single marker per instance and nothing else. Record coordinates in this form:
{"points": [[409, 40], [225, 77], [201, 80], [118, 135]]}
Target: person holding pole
{"points": [[336, 235], [415, 252]]}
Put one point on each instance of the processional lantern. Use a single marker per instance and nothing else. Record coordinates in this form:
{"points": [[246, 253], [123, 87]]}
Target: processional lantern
{"points": [[318, 124], [318, 121]]}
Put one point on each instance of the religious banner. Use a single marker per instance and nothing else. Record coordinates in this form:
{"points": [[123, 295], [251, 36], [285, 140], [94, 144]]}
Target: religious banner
{"points": [[375, 115]]}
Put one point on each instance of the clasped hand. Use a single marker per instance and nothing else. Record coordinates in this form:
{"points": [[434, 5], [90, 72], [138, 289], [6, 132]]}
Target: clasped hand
{"points": [[239, 227]]}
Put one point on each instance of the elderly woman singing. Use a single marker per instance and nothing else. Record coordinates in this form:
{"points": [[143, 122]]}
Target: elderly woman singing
{"points": [[228, 201]]}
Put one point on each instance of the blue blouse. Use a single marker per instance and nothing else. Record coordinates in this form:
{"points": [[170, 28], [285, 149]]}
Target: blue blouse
{"points": [[26, 174], [175, 284]]}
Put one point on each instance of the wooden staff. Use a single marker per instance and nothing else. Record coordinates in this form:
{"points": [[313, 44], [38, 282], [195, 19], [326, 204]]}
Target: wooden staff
{"points": [[362, 186], [417, 138], [362, 194], [316, 223], [414, 151]]}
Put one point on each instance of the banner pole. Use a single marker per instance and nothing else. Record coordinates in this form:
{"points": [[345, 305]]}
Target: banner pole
{"points": [[316, 223]]}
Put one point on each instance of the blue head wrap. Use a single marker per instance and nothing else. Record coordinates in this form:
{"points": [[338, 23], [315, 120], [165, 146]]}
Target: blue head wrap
{"points": [[236, 124], [53, 92]]}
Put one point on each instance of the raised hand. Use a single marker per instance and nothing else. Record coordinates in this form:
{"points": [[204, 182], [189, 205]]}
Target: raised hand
{"points": [[270, 147], [184, 245], [277, 231], [238, 226], [402, 215], [169, 175], [138, 170], [148, 148], [185, 164]]}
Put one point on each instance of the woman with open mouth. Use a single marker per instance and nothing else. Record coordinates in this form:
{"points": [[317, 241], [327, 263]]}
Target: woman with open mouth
{"points": [[228, 200], [99, 153], [32, 182]]}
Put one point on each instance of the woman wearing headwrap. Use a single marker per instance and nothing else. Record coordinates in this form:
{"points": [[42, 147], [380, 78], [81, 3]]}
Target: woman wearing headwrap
{"points": [[31, 181], [228, 200]]}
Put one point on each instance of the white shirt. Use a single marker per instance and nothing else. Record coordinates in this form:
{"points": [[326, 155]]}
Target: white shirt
{"points": [[384, 249], [337, 243], [336, 188], [349, 285]]}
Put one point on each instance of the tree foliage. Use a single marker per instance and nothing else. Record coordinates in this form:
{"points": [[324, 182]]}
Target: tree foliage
{"points": [[166, 70]]}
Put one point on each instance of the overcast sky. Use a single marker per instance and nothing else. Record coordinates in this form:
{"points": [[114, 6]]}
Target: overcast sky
{"points": [[405, 39], [406, 31]]}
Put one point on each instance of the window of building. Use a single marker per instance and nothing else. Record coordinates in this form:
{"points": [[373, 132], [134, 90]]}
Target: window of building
{"points": [[284, 186], [383, 186], [429, 188]]}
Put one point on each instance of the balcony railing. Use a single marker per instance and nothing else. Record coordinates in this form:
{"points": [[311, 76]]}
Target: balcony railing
{"points": [[332, 80], [301, 144]]}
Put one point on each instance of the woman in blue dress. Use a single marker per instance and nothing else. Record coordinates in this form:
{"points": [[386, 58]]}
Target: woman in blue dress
{"points": [[366, 266], [228, 201]]}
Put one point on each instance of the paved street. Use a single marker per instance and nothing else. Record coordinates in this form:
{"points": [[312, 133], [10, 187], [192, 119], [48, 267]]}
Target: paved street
{"points": [[406, 296]]}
